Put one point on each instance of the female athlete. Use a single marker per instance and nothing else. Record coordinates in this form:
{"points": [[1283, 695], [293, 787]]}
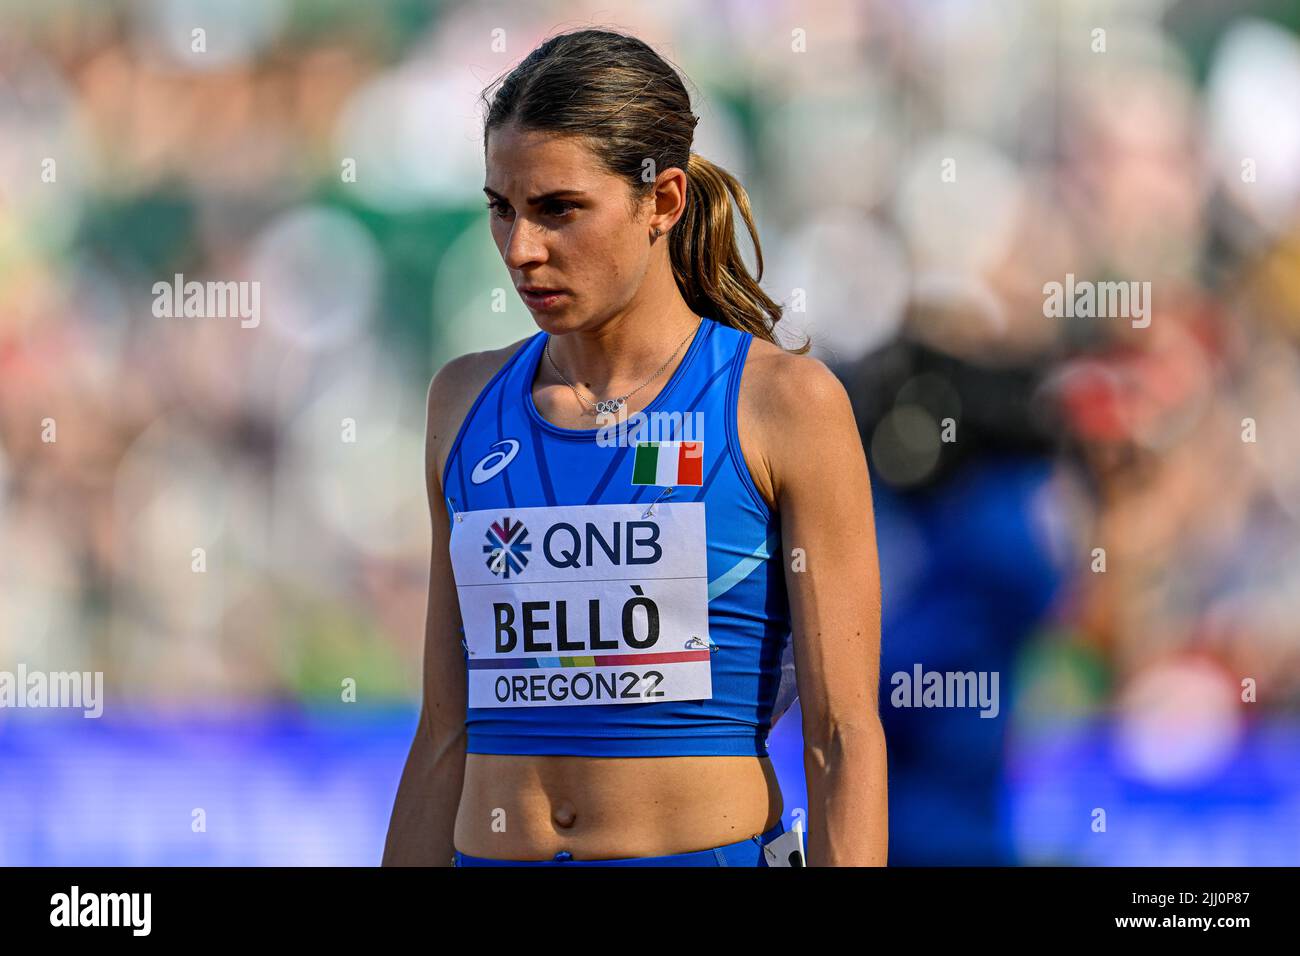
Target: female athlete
{"points": [[637, 512]]}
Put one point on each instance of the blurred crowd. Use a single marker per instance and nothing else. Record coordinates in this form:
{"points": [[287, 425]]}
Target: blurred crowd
{"points": [[211, 512]]}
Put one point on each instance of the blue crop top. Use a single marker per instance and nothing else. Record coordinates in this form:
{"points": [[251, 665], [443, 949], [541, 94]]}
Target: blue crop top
{"points": [[622, 591]]}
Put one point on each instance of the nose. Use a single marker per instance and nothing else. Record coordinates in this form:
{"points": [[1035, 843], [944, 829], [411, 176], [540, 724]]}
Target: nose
{"points": [[523, 245]]}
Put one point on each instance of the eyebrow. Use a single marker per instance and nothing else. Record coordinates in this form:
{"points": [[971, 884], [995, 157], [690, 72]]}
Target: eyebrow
{"points": [[536, 200]]}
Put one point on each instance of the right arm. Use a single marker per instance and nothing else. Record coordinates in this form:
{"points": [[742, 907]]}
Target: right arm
{"points": [[424, 812]]}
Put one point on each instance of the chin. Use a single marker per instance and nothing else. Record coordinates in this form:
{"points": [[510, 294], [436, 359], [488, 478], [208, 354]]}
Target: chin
{"points": [[558, 322]]}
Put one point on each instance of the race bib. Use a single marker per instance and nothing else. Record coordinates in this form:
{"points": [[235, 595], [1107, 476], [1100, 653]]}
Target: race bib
{"points": [[584, 604], [787, 849]]}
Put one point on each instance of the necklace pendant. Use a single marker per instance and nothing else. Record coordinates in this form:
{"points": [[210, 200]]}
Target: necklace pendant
{"points": [[609, 406]]}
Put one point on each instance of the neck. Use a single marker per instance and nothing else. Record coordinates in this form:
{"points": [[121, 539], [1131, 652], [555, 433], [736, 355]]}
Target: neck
{"points": [[617, 356]]}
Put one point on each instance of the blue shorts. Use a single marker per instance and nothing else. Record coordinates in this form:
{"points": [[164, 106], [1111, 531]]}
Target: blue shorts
{"points": [[747, 852]]}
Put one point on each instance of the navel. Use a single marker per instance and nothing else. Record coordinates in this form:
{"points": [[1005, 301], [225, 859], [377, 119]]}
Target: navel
{"points": [[563, 814]]}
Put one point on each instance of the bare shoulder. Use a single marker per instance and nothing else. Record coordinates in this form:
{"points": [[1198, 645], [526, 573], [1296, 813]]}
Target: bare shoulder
{"points": [[788, 406], [778, 377], [452, 392]]}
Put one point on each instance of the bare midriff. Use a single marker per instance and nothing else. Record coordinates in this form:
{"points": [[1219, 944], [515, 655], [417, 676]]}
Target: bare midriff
{"points": [[530, 807]]}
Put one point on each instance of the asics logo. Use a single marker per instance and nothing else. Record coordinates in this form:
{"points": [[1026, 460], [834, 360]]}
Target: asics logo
{"points": [[495, 462]]}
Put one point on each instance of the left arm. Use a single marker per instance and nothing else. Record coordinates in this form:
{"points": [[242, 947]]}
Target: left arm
{"points": [[819, 479]]}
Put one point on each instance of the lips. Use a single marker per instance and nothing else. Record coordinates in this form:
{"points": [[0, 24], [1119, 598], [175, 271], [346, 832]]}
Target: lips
{"points": [[541, 299]]}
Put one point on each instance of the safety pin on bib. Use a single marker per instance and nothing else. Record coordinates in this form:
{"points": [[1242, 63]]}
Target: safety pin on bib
{"points": [[662, 495], [458, 515]]}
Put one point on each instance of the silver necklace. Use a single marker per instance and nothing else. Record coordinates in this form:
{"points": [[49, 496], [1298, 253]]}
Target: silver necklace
{"points": [[612, 405]]}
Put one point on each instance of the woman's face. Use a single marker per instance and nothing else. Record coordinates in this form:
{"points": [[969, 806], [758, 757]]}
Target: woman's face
{"points": [[561, 221]]}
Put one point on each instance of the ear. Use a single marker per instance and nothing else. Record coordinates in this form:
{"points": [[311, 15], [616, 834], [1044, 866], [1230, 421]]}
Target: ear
{"points": [[668, 198]]}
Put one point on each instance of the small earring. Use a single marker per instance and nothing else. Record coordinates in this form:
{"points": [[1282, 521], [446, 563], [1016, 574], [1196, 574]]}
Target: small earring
{"points": [[656, 232]]}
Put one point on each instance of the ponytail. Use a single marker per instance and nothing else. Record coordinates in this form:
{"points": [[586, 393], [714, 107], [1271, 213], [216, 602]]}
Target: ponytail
{"points": [[706, 260]]}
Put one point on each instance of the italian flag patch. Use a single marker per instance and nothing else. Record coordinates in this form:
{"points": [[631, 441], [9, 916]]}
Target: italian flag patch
{"points": [[669, 463]]}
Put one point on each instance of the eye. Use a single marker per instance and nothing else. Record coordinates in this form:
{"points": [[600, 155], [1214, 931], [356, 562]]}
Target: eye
{"points": [[555, 208], [560, 207]]}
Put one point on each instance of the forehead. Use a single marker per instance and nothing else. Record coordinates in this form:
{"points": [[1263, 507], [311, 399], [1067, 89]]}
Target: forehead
{"points": [[518, 158]]}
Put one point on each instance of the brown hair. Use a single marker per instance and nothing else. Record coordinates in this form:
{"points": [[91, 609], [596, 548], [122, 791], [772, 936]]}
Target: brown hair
{"points": [[631, 106]]}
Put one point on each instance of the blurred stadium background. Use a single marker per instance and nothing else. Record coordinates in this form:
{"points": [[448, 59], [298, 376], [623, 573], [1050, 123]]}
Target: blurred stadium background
{"points": [[1146, 141]]}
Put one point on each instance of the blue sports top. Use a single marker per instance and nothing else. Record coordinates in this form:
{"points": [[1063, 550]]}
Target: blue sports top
{"points": [[621, 589]]}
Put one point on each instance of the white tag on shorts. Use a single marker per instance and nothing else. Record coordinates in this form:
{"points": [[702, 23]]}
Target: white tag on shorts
{"points": [[786, 850], [584, 604]]}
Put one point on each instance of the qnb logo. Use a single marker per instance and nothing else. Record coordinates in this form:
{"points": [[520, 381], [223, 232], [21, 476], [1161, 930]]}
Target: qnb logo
{"points": [[507, 547], [495, 462]]}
